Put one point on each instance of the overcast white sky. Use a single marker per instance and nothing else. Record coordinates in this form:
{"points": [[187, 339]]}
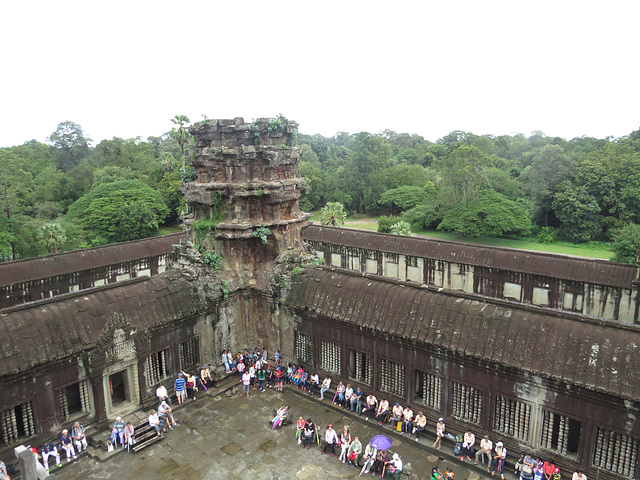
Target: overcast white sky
{"points": [[125, 68]]}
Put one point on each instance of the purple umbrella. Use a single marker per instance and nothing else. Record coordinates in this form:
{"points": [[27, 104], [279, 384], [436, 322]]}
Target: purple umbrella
{"points": [[381, 442]]}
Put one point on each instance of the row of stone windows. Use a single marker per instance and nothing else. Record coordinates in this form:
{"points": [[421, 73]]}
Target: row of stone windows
{"points": [[435, 276], [18, 421], [561, 434], [73, 400], [157, 366]]}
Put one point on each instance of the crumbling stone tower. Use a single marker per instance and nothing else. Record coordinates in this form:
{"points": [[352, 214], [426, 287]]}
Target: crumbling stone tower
{"points": [[244, 202]]}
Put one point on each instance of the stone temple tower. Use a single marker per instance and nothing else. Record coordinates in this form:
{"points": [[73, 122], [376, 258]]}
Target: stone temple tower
{"points": [[244, 202]]}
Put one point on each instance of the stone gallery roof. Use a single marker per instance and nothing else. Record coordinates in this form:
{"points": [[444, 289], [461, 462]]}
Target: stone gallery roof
{"points": [[79, 260], [599, 272], [40, 333], [598, 355]]}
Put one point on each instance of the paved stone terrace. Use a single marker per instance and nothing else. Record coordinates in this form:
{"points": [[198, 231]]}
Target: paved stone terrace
{"points": [[230, 438]]}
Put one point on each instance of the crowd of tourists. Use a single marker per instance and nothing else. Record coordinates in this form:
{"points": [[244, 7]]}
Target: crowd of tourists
{"points": [[71, 445], [407, 422], [258, 373], [349, 448]]}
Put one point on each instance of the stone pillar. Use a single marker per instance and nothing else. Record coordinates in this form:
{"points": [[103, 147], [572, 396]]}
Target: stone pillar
{"points": [[247, 183], [30, 468]]}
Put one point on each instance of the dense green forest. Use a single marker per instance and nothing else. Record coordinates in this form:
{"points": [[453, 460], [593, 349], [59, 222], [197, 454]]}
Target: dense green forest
{"points": [[67, 193]]}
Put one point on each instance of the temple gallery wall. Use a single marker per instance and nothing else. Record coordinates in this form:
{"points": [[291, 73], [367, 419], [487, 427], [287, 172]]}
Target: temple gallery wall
{"points": [[540, 351]]}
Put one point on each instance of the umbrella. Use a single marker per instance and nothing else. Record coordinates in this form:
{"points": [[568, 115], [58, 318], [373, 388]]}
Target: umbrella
{"points": [[381, 442]]}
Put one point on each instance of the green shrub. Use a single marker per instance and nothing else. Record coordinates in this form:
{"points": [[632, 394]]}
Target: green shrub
{"points": [[213, 259], [385, 223]]}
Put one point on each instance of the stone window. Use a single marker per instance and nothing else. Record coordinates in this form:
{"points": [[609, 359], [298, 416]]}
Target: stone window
{"points": [[304, 348], [392, 378], [428, 390], [156, 367], [74, 399], [616, 453], [17, 422], [330, 360], [560, 434], [189, 354], [540, 296], [572, 301], [512, 417], [512, 291], [411, 261], [360, 367], [467, 403]]}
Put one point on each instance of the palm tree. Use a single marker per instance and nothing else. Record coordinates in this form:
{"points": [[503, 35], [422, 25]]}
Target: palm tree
{"points": [[53, 236], [181, 135], [333, 213]]}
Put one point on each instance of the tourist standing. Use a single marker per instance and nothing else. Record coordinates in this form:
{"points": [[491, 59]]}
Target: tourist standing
{"points": [[246, 382], [180, 387]]}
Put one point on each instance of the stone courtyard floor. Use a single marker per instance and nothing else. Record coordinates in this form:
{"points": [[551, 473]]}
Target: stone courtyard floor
{"points": [[230, 438]]}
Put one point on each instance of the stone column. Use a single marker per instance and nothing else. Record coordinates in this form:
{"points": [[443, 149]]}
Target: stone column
{"points": [[244, 202], [30, 468]]}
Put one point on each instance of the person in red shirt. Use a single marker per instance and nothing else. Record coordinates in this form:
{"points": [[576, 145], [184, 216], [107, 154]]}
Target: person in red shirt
{"points": [[549, 470]]}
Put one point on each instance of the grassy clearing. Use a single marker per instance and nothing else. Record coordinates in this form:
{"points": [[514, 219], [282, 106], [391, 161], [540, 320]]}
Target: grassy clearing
{"points": [[592, 249], [169, 229]]}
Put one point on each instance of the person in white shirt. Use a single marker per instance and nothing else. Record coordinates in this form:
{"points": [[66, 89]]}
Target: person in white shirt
{"points": [[497, 465], [370, 405], [486, 446], [79, 440], [154, 422], [326, 384], [407, 422], [579, 476], [330, 440], [162, 394], [314, 381], [468, 444], [394, 465]]}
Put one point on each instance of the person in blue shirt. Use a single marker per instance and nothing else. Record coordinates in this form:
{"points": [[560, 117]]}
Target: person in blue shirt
{"points": [[180, 388], [67, 445]]}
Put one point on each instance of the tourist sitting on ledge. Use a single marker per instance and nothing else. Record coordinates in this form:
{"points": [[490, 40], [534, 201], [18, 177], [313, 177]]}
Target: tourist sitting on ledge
{"points": [[206, 378], [166, 416], [67, 445], [78, 436], [154, 422], [117, 432], [129, 434], [49, 449], [281, 415], [310, 434], [190, 385]]}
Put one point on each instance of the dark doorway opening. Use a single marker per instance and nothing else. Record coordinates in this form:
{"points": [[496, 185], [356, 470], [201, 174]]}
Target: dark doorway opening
{"points": [[118, 385], [74, 400]]}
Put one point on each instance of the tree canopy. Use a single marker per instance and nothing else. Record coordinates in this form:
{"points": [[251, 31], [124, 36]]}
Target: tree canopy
{"points": [[578, 190], [119, 211]]}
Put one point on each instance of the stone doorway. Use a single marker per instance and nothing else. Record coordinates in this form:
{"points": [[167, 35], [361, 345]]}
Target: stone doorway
{"points": [[121, 395], [118, 387]]}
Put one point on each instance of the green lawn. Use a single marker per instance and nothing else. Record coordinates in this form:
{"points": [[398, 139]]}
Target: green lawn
{"points": [[591, 249], [169, 229]]}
